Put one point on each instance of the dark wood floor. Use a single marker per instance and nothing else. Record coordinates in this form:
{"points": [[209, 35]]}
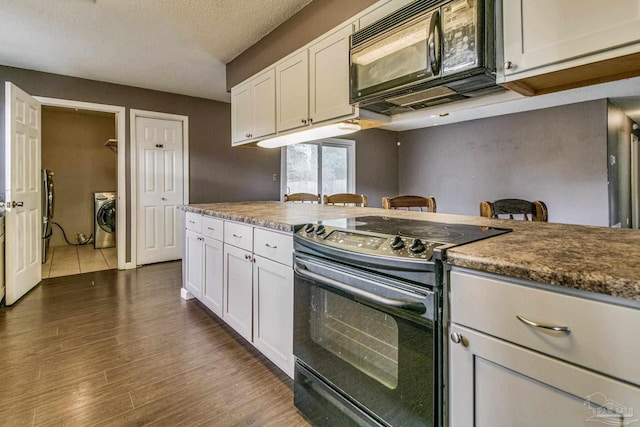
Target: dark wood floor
{"points": [[122, 348]]}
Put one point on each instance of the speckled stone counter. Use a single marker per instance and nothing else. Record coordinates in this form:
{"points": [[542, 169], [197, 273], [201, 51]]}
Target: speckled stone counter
{"points": [[594, 259]]}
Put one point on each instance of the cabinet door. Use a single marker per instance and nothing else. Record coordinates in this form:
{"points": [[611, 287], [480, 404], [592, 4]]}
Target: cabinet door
{"points": [[212, 290], [273, 312], [194, 250], [329, 77], [238, 290], [493, 383], [292, 92], [545, 32], [263, 104], [241, 121]]}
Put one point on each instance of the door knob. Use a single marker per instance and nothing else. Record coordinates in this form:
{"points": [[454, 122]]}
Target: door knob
{"points": [[164, 198], [457, 338], [14, 204]]}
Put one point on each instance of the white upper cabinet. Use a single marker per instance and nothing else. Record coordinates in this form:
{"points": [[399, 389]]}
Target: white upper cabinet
{"points": [[253, 112], [292, 92], [263, 91], [547, 36], [329, 77]]}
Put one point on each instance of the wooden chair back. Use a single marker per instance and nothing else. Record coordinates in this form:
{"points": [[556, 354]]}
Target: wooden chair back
{"points": [[426, 204], [302, 197], [346, 199], [530, 211]]}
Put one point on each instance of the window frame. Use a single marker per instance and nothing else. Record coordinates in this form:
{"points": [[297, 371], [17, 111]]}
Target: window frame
{"points": [[349, 144]]}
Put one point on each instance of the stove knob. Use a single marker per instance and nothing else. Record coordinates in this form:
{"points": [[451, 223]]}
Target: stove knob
{"points": [[308, 228], [397, 243], [320, 230], [417, 246]]}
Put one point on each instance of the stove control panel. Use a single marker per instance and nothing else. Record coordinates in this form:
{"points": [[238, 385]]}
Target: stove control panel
{"points": [[369, 242]]}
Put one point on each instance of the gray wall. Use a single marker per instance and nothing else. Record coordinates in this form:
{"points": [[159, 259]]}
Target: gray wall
{"points": [[312, 21], [557, 155], [376, 164]]}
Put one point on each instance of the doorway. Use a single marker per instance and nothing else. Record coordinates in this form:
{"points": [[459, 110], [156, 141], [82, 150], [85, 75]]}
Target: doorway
{"points": [[76, 183], [79, 156]]}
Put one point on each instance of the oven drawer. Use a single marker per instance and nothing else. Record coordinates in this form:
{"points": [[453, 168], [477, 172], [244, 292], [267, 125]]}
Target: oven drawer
{"points": [[193, 222], [212, 227], [275, 246], [239, 235], [599, 335]]}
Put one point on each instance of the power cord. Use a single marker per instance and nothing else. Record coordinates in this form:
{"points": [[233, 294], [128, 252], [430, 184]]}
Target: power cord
{"points": [[89, 240]]}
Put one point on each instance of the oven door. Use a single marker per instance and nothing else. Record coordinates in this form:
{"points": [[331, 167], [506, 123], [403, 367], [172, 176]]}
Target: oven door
{"points": [[366, 338]]}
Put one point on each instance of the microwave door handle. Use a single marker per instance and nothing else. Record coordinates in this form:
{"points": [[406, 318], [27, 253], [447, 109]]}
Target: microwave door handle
{"points": [[404, 304], [434, 43]]}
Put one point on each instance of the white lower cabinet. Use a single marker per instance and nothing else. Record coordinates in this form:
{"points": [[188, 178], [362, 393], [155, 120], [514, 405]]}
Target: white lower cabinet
{"points": [[504, 371], [244, 275], [238, 290], [273, 312], [212, 290], [194, 259], [203, 258]]}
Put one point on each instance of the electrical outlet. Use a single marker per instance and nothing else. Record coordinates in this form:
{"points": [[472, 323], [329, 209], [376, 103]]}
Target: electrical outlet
{"points": [[275, 177]]}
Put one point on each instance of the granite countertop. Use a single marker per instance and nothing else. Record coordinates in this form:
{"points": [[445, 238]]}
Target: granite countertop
{"points": [[594, 259]]}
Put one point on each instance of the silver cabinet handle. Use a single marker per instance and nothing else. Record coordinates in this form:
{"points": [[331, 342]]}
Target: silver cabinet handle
{"points": [[508, 65], [237, 237], [272, 247], [556, 328], [212, 229]]}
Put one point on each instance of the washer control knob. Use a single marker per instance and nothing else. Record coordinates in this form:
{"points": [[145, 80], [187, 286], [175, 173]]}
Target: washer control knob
{"points": [[417, 246], [320, 230], [397, 243], [309, 228]]}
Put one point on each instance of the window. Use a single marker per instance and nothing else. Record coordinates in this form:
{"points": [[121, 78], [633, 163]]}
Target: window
{"points": [[319, 167]]}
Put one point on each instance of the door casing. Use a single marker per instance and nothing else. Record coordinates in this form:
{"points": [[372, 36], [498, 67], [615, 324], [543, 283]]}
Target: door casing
{"points": [[120, 117]]}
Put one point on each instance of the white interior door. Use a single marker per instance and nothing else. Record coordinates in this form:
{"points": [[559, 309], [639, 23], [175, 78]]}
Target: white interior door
{"points": [[22, 175], [160, 189]]}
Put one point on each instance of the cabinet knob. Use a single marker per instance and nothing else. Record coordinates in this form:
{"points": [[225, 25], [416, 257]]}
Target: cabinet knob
{"points": [[508, 65], [310, 121], [457, 338], [304, 121], [247, 135]]}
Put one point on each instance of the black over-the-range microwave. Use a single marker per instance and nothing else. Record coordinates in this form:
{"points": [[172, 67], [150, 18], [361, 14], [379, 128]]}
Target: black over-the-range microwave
{"points": [[427, 53]]}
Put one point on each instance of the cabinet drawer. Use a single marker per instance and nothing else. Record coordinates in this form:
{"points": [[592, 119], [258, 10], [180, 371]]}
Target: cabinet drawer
{"points": [[239, 235], [193, 222], [212, 227], [599, 336], [274, 246]]}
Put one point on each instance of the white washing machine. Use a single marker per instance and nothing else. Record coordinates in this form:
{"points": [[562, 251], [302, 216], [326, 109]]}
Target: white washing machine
{"points": [[104, 213]]}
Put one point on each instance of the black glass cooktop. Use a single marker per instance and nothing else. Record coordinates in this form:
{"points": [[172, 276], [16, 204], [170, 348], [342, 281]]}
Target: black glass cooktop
{"points": [[430, 231], [382, 236]]}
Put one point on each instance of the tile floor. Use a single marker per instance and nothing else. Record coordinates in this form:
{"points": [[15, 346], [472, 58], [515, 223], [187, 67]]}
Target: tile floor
{"points": [[68, 260]]}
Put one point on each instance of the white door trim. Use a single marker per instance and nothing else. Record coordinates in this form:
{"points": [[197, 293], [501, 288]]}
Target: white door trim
{"points": [[121, 230], [134, 169]]}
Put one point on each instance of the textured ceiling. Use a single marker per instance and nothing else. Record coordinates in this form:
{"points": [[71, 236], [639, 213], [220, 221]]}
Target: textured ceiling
{"points": [[178, 46]]}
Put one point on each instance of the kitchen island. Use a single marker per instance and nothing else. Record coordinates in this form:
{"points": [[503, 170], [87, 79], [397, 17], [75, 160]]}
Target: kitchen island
{"points": [[544, 311], [603, 261]]}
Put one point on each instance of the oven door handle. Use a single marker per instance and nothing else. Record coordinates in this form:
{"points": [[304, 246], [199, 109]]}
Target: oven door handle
{"points": [[403, 304]]}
